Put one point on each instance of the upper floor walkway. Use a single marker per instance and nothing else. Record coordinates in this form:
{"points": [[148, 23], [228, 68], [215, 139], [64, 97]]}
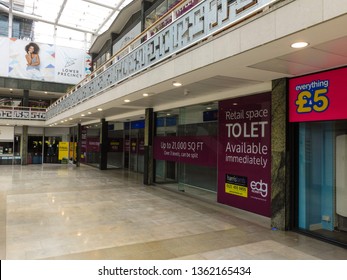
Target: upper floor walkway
{"points": [[215, 50]]}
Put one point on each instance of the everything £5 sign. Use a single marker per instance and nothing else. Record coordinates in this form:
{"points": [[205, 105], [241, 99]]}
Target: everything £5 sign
{"points": [[318, 97]]}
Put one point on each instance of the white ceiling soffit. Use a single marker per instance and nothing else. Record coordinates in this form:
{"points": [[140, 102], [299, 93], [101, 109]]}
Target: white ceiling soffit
{"points": [[323, 56]]}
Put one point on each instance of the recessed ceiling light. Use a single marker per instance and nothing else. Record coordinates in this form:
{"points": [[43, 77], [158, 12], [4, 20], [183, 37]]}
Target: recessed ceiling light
{"points": [[127, 100], [11, 89], [82, 115], [176, 84], [168, 114], [99, 109], [145, 94], [89, 113], [235, 104], [46, 92], [61, 121], [208, 108], [299, 45], [70, 119]]}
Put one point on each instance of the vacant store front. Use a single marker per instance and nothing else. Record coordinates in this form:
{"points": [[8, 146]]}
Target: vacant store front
{"points": [[222, 147], [317, 110]]}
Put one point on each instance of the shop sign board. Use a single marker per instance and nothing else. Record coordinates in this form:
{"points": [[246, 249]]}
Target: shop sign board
{"points": [[93, 144], [63, 152], [198, 150], [115, 145], [244, 153], [318, 97]]}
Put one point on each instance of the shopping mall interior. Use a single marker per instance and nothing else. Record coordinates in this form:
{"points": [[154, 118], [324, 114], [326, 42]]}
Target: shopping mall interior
{"points": [[173, 129]]}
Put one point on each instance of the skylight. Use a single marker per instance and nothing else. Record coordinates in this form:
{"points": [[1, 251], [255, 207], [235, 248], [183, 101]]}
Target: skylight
{"points": [[73, 23]]}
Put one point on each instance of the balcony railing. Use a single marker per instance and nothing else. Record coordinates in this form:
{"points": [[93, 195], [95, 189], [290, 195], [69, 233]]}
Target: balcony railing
{"points": [[180, 28], [22, 113]]}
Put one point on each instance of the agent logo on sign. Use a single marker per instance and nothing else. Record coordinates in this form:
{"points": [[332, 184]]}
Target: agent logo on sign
{"points": [[259, 188]]}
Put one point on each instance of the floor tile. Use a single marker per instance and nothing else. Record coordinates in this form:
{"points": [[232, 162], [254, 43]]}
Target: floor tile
{"points": [[65, 212]]}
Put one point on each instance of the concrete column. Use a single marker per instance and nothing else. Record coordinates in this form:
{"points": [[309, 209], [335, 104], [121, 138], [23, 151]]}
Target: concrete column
{"points": [[79, 145], [24, 145], [280, 169], [10, 19], [26, 98], [144, 7], [103, 145], [148, 175]]}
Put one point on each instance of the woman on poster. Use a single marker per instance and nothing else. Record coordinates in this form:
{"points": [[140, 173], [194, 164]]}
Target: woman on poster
{"points": [[33, 61]]}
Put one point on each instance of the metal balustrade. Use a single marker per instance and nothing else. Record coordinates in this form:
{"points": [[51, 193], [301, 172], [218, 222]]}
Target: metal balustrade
{"points": [[22, 113], [177, 30]]}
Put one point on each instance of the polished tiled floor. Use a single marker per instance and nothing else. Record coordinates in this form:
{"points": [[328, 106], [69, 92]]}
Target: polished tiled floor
{"points": [[64, 212]]}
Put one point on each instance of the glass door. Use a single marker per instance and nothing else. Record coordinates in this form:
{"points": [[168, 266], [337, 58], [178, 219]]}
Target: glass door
{"points": [[322, 179]]}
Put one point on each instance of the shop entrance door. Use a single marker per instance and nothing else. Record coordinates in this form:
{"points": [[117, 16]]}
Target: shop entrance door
{"points": [[136, 150], [322, 179]]}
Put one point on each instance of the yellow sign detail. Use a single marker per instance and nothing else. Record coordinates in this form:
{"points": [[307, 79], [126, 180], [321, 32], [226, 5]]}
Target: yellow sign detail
{"points": [[63, 150], [73, 150], [236, 190]]}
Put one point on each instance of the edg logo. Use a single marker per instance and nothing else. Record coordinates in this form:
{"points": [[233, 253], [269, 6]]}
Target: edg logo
{"points": [[259, 188]]}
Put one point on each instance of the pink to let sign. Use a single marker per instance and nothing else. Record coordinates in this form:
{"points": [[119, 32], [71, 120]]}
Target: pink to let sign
{"points": [[244, 153]]}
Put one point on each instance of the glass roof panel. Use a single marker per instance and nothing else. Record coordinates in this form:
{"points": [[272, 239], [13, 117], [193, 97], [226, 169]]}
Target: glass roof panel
{"points": [[86, 16], [46, 9]]}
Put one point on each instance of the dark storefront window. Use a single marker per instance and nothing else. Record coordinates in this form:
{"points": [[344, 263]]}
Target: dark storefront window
{"points": [[51, 149], [185, 147], [90, 149], [35, 149]]}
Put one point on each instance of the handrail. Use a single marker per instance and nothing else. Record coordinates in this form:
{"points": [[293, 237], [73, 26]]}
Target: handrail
{"points": [[155, 27], [23, 113], [206, 19]]}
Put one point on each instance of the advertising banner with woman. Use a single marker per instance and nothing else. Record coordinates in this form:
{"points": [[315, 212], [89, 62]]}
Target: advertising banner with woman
{"points": [[43, 62]]}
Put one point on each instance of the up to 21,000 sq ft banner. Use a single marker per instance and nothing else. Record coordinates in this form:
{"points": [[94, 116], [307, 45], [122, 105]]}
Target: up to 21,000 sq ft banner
{"points": [[244, 153], [43, 62]]}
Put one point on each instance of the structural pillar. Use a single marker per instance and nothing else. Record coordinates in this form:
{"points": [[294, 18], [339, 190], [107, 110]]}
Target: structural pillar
{"points": [[144, 7], [10, 19], [26, 98], [103, 145], [79, 145], [24, 145], [280, 168], [148, 175]]}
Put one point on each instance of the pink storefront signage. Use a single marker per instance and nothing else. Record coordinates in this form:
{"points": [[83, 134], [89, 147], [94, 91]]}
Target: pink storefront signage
{"points": [[318, 97], [244, 153], [93, 144], [198, 150]]}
